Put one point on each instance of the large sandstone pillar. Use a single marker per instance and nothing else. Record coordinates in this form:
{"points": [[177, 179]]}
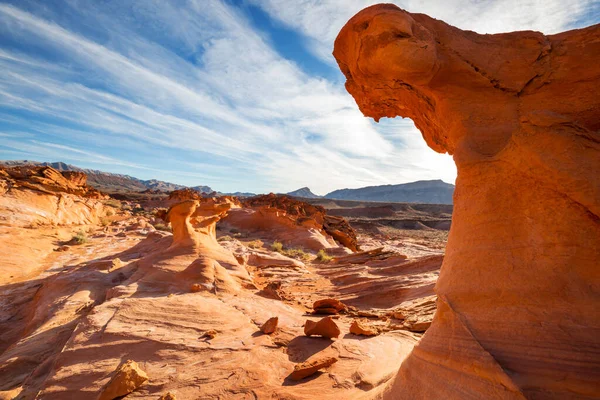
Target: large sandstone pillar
{"points": [[519, 291]]}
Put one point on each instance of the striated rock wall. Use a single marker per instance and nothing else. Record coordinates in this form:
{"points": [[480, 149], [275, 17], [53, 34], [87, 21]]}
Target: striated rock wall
{"points": [[32, 195], [519, 288]]}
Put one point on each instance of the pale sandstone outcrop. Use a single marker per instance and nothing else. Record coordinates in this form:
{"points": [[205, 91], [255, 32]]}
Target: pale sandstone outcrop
{"points": [[518, 291]]}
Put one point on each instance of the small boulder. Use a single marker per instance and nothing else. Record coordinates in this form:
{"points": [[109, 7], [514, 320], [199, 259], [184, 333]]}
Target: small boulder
{"points": [[399, 315], [270, 326], [326, 327], [359, 328], [210, 334], [310, 367], [328, 306], [168, 396], [128, 377]]}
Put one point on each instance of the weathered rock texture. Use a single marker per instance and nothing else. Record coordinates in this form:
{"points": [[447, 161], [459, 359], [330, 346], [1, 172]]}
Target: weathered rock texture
{"points": [[31, 196], [520, 285], [292, 222]]}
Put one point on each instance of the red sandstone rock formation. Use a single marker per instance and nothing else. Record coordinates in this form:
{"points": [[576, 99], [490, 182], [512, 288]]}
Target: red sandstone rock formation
{"points": [[194, 255], [325, 327], [519, 287], [328, 306], [292, 222]]}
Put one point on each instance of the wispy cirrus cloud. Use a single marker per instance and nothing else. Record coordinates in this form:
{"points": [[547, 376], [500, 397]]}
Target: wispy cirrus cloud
{"points": [[196, 93]]}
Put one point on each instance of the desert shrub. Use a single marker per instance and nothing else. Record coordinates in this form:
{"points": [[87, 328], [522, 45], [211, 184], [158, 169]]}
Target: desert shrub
{"points": [[138, 211], [323, 256], [225, 238], [113, 203], [162, 227], [297, 253], [79, 238], [104, 221], [255, 244], [110, 212], [277, 246]]}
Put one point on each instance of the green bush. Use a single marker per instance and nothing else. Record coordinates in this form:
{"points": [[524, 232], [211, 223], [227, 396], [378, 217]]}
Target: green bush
{"points": [[79, 238], [162, 227], [297, 254], [323, 256], [277, 246], [113, 203]]}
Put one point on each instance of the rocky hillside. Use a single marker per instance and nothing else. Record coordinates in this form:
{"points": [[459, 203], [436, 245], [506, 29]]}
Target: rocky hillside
{"points": [[109, 182], [429, 192]]}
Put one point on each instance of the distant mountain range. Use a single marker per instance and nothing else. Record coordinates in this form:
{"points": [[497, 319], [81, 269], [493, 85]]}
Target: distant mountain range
{"points": [[430, 192]]}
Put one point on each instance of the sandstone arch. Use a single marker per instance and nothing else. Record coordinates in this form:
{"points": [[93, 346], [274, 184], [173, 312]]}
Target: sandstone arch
{"points": [[519, 289]]}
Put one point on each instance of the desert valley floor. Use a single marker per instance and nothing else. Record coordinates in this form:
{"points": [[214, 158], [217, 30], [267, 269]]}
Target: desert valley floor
{"points": [[92, 282]]}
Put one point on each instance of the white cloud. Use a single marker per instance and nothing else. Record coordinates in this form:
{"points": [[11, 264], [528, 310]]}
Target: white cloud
{"points": [[321, 20], [199, 95]]}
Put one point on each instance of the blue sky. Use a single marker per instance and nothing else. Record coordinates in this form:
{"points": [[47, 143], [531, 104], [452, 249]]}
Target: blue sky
{"points": [[240, 95]]}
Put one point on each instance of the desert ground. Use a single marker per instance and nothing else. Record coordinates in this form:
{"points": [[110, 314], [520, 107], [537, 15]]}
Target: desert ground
{"points": [[182, 284]]}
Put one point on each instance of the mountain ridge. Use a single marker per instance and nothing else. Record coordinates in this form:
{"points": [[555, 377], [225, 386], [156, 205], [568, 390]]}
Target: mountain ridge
{"points": [[424, 191], [305, 193], [433, 191], [109, 181]]}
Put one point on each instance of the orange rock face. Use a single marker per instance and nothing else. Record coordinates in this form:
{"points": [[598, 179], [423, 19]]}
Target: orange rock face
{"points": [[519, 287]]}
